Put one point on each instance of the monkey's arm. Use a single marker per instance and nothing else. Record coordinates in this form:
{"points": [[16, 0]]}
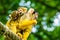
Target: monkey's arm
{"points": [[27, 32], [28, 22]]}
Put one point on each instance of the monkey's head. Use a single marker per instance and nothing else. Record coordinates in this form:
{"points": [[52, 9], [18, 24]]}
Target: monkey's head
{"points": [[33, 13], [22, 10], [14, 15]]}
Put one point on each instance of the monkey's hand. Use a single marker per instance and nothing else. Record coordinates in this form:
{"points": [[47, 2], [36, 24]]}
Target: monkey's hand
{"points": [[19, 34]]}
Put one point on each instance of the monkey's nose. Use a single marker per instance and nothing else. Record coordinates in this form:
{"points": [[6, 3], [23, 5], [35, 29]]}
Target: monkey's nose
{"points": [[36, 15], [34, 12]]}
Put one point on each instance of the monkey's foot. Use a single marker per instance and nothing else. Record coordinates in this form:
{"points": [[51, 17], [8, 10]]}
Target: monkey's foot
{"points": [[20, 35]]}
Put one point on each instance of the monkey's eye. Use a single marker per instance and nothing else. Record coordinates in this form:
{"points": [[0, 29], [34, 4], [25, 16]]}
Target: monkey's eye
{"points": [[34, 11]]}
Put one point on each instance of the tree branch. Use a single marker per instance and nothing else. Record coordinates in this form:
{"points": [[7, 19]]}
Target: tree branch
{"points": [[4, 30]]}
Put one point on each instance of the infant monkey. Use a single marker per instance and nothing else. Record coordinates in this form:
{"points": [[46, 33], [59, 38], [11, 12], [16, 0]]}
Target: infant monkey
{"points": [[15, 18]]}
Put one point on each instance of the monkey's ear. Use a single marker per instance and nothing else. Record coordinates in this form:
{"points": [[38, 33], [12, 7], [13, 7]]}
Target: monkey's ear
{"points": [[10, 16]]}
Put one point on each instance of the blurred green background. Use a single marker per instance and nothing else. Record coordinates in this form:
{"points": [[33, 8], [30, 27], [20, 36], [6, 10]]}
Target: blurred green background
{"points": [[48, 26]]}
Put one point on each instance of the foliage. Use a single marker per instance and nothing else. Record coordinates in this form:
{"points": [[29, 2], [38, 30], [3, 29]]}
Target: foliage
{"points": [[47, 10]]}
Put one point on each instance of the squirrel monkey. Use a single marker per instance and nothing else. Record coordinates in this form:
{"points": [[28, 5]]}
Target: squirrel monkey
{"points": [[14, 18], [21, 22], [25, 26]]}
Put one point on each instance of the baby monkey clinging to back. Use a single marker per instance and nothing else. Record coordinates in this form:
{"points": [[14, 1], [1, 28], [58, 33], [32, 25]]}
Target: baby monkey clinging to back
{"points": [[15, 18]]}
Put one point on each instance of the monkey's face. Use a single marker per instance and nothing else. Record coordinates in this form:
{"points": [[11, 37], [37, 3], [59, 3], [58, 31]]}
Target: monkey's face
{"points": [[14, 15], [33, 14], [22, 10]]}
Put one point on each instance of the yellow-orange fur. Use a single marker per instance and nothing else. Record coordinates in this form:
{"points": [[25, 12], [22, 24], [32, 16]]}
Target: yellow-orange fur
{"points": [[22, 23]]}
